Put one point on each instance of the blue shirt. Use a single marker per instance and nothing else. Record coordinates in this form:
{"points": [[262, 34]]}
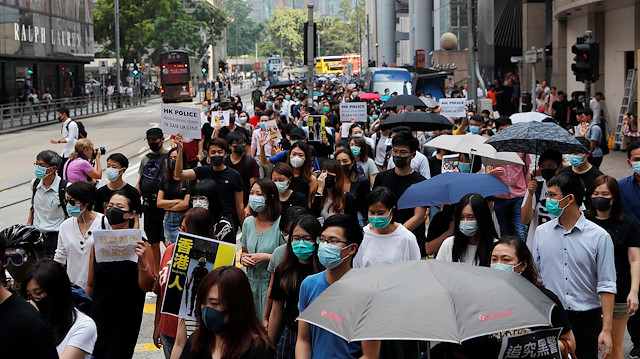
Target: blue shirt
{"points": [[324, 344], [630, 190], [576, 264], [593, 134]]}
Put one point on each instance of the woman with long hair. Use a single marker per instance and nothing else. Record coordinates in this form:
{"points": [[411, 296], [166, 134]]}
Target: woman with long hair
{"points": [[330, 197], [118, 288], [204, 194], [228, 325], [300, 261], [78, 167], [360, 150], [300, 159], [260, 237], [282, 176], [474, 233], [604, 208], [355, 183], [173, 196], [49, 289]]}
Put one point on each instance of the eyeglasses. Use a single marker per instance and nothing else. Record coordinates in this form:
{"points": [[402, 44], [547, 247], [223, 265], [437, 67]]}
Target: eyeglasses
{"points": [[400, 153], [330, 240], [306, 239], [35, 297], [15, 257]]}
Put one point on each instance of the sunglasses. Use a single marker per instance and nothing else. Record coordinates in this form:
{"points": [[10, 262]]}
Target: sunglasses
{"points": [[71, 202]]}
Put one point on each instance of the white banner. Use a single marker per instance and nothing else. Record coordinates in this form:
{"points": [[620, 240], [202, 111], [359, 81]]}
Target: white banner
{"points": [[353, 110], [116, 245], [453, 107], [181, 120]]}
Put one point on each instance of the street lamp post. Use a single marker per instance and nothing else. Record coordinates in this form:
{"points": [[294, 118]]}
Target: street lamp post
{"points": [[117, 26]]}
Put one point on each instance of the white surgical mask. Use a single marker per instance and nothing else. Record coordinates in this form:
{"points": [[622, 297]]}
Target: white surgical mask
{"points": [[201, 203]]}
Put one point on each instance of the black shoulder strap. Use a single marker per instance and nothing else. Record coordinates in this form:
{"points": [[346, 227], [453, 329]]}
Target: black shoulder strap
{"points": [[103, 225], [34, 188], [539, 190], [62, 188]]}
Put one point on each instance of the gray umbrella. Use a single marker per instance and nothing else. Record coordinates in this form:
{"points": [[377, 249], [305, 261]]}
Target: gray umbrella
{"points": [[429, 301], [535, 138]]}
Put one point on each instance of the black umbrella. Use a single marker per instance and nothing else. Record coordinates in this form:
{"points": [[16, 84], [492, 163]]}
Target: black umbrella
{"points": [[417, 121], [535, 137], [403, 100], [280, 84]]}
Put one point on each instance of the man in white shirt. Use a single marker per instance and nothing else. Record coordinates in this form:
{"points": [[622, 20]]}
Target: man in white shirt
{"points": [[419, 163], [69, 134], [596, 106]]}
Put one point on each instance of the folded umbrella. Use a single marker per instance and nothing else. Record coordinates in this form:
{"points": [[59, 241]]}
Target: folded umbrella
{"points": [[535, 138], [449, 188], [428, 300], [403, 100], [417, 121]]}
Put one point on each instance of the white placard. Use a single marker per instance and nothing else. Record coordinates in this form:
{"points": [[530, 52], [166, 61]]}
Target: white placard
{"points": [[181, 120], [453, 107], [116, 245], [353, 110], [219, 118], [272, 128]]}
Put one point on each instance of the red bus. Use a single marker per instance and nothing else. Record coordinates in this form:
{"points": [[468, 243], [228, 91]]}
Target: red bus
{"points": [[175, 77]]}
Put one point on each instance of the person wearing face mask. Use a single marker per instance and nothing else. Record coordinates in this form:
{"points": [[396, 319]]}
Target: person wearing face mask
{"points": [[473, 233], [263, 152], [173, 197], [330, 197], [630, 188], [534, 212], [70, 134], [48, 210], [354, 182], [75, 238], [510, 253], [228, 325], [419, 162], [79, 167], [384, 241], [242, 162], [232, 127], [300, 261], [243, 122], [117, 165], [341, 237], [580, 165], [204, 194], [464, 164], [361, 150], [604, 208], [260, 236], [576, 261], [282, 176]]}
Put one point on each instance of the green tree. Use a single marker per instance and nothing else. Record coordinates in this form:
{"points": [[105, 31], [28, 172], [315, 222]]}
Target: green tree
{"points": [[331, 34], [242, 32], [286, 27]]}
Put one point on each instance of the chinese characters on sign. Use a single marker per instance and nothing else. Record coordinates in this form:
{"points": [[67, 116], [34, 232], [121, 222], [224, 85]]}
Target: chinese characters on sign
{"points": [[116, 245], [538, 344]]}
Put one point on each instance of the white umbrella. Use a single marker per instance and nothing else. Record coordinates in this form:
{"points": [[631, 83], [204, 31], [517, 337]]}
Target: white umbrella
{"points": [[502, 158], [528, 117], [475, 145]]}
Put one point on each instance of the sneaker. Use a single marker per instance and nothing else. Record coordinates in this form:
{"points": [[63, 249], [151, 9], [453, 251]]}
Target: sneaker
{"points": [[634, 353]]}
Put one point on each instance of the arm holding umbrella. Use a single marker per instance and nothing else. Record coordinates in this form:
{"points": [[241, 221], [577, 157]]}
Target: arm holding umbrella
{"points": [[527, 208]]}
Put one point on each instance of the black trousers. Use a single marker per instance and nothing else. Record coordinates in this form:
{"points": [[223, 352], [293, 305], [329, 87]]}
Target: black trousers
{"points": [[586, 328], [50, 243]]}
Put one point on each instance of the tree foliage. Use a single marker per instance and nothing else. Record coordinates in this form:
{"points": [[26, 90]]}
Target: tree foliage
{"points": [[241, 30], [286, 27]]}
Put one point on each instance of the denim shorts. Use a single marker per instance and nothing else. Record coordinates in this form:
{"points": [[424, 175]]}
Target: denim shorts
{"points": [[172, 225]]}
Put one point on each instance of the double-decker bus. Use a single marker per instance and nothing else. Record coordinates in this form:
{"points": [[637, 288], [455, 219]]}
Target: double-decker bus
{"points": [[175, 77], [329, 65]]}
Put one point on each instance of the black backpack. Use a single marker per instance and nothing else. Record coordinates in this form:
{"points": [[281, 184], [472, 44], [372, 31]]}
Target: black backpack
{"points": [[62, 186], [604, 140], [82, 132], [153, 174]]}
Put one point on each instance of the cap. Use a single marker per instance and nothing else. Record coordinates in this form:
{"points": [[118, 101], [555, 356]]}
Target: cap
{"points": [[154, 133], [298, 132]]}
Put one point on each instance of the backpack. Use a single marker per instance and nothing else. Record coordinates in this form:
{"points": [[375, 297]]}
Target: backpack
{"points": [[152, 176], [82, 132], [604, 140], [62, 186]]}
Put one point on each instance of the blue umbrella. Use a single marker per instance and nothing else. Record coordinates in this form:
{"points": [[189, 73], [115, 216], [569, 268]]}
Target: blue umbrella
{"points": [[449, 188]]}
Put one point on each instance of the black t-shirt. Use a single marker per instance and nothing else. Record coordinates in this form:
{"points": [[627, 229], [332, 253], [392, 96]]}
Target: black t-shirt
{"points": [[104, 195], [560, 113], [291, 311], [624, 234], [176, 189], [360, 189], [398, 184], [435, 166], [254, 352], [438, 225], [300, 186], [23, 331], [586, 177], [296, 199], [246, 173], [228, 182]]}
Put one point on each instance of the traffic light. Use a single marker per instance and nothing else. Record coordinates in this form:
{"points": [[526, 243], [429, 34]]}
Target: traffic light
{"points": [[135, 71], [30, 71], [221, 66], [205, 67], [587, 60]]}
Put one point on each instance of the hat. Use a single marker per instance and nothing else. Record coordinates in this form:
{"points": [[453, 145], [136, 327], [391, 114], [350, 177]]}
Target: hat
{"points": [[154, 133], [298, 132]]}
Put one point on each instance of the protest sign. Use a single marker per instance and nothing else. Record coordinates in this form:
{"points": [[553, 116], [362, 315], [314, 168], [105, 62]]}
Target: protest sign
{"points": [[272, 128], [193, 257], [220, 118], [453, 107], [181, 120], [538, 344], [116, 245], [317, 128], [353, 110], [450, 163]]}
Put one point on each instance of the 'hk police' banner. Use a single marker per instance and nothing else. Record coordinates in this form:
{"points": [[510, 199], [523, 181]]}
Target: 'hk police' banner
{"points": [[353, 110], [181, 120], [193, 258], [538, 344], [453, 107]]}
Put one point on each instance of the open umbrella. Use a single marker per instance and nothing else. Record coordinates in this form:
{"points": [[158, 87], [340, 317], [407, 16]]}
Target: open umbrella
{"points": [[403, 100], [429, 102], [535, 138], [417, 121], [528, 117], [369, 96], [502, 158], [449, 188], [474, 145], [428, 300], [280, 84]]}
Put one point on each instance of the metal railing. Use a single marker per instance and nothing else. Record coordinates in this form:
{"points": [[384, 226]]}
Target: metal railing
{"points": [[27, 114]]}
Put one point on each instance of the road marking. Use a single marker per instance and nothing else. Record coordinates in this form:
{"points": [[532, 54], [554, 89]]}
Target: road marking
{"points": [[149, 111], [149, 308], [143, 149], [6, 190], [145, 347], [154, 124]]}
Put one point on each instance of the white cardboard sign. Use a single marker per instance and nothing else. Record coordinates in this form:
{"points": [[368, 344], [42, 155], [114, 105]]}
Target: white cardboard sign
{"points": [[453, 107], [116, 245], [181, 120], [353, 110]]}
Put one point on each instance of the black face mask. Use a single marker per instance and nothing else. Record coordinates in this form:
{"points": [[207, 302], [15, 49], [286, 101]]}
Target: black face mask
{"points": [[172, 164], [239, 149], [401, 162], [155, 146], [44, 306], [60, 119], [347, 169], [330, 181], [216, 160], [601, 203], [115, 216], [548, 173]]}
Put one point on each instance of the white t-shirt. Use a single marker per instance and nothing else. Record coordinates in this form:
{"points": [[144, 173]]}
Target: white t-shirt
{"points": [[82, 335], [379, 151], [74, 249], [596, 107], [70, 133], [445, 253], [376, 249], [540, 213]]}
